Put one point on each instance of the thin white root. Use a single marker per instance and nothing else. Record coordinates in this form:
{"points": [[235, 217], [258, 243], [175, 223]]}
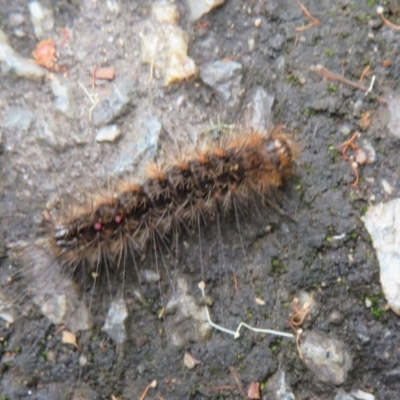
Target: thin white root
{"points": [[236, 334]]}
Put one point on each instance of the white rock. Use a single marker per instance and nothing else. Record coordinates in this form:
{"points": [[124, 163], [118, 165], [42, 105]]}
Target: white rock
{"points": [[164, 45], [108, 134], [201, 7], [115, 321], [42, 18], [361, 395], [13, 64], [383, 224], [387, 187], [328, 358], [6, 311], [83, 360], [394, 123], [113, 6]]}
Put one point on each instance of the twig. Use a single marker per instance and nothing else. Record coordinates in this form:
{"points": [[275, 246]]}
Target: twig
{"points": [[314, 21], [344, 146], [221, 388], [236, 378], [94, 76], [321, 70], [379, 10], [366, 69], [148, 387]]}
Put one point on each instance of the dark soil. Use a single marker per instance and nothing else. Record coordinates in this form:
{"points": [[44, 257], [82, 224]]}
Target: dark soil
{"points": [[298, 251]]}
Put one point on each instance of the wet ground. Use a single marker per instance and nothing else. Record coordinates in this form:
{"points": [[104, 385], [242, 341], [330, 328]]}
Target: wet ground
{"points": [[317, 244]]}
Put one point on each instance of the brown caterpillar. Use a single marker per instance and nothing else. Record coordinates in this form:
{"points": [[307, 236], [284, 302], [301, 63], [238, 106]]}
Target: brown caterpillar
{"points": [[108, 227]]}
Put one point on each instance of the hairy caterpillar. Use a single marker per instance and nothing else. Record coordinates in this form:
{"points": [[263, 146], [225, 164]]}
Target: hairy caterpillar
{"points": [[121, 222], [113, 228]]}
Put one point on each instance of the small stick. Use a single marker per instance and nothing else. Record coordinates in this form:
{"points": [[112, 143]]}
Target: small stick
{"points": [[148, 387], [366, 69], [379, 10], [314, 21], [94, 76], [221, 388], [236, 378], [321, 70]]}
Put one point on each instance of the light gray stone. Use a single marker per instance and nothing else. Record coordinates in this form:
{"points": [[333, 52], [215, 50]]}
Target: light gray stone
{"points": [[278, 388], [116, 104], [394, 123], [14, 64], [48, 133], [142, 146], [260, 109], [19, 117], [342, 395], [114, 325], [54, 292], [329, 359], [225, 78], [65, 101], [361, 395], [383, 224], [42, 19]]}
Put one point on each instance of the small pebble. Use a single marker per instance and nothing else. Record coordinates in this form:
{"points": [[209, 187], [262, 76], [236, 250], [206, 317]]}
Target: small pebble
{"points": [[149, 276], [83, 360], [328, 358], [114, 325], [369, 151], [251, 43], [387, 187], [361, 395], [114, 7], [108, 134], [368, 302], [257, 22], [345, 130], [335, 317], [51, 356], [42, 19], [342, 395], [361, 157]]}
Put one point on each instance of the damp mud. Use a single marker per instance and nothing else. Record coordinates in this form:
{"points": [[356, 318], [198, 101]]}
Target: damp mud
{"points": [[303, 262]]}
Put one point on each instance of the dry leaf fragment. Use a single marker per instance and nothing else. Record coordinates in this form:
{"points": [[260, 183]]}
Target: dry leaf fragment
{"points": [[189, 361], [253, 391], [69, 338]]}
